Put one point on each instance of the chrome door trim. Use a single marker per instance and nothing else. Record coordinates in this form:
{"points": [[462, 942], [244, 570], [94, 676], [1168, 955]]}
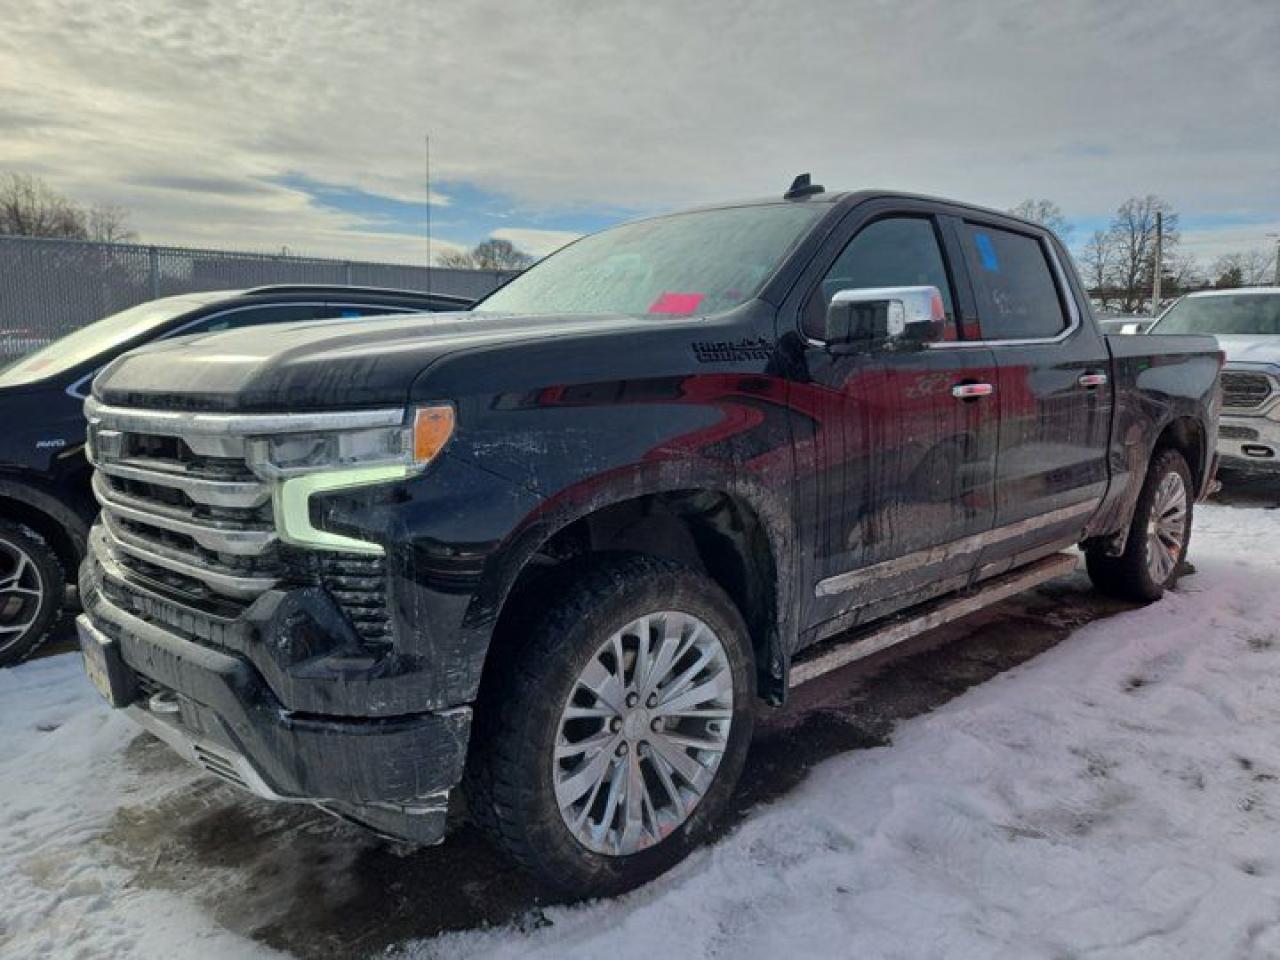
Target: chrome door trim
{"points": [[852, 579]]}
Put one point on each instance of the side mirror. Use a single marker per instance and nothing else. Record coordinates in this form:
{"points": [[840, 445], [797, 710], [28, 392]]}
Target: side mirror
{"points": [[894, 316]]}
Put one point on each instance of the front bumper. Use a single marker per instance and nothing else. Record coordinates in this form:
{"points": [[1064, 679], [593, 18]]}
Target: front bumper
{"points": [[1249, 443], [393, 774]]}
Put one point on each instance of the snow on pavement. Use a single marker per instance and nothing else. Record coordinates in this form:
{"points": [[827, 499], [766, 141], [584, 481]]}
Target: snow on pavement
{"points": [[1117, 796], [61, 779]]}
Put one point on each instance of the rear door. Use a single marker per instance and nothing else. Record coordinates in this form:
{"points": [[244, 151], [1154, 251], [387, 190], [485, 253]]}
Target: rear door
{"points": [[893, 466], [1053, 389]]}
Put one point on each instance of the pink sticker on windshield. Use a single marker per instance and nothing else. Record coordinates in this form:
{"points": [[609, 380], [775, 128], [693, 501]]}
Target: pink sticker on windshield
{"points": [[677, 303]]}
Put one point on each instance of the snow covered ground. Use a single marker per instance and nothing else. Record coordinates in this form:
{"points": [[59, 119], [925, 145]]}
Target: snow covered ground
{"points": [[1116, 796]]}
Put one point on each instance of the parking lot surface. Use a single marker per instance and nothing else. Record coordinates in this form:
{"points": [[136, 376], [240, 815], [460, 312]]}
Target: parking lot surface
{"points": [[891, 805]]}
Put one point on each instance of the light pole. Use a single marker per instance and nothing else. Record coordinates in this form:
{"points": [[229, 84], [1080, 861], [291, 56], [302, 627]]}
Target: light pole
{"points": [[1157, 265]]}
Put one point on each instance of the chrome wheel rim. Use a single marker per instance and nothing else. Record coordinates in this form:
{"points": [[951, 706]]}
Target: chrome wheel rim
{"points": [[21, 593], [642, 733], [1167, 527]]}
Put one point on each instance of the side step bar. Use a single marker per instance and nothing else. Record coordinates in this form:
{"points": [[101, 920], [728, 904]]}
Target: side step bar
{"points": [[833, 654]]}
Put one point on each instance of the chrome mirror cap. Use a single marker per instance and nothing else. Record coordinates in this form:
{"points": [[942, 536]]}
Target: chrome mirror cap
{"points": [[913, 314]]}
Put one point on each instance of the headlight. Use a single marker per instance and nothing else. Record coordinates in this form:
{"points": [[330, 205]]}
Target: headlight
{"points": [[302, 464], [412, 445]]}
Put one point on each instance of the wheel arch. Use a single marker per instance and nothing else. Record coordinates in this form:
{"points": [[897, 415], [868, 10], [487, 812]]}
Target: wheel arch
{"points": [[61, 527], [1186, 435], [731, 531], [1183, 433]]}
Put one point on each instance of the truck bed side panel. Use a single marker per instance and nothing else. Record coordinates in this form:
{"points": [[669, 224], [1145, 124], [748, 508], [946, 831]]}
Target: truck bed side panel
{"points": [[1157, 380]]}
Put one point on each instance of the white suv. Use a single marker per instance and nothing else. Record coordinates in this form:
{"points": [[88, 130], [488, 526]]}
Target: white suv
{"points": [[1247, 325]]}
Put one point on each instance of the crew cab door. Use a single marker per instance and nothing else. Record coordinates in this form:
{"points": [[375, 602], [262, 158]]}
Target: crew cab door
{"points": [[1053, 389], [893, 466]]}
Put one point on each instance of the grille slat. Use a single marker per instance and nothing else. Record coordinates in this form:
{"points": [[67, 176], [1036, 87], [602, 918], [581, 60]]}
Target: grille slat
{"points": [[1245, 389], [186, 517], [1229, 432], [227, 581], [220, 535], [196, 487]]}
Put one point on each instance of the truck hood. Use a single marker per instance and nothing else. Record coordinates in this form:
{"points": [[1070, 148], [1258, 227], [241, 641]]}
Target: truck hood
{"points": [[1250, 348], [321, 363]]}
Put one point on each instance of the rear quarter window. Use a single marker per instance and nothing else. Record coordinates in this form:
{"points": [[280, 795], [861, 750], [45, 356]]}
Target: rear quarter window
{"points": [[1018, 297]]}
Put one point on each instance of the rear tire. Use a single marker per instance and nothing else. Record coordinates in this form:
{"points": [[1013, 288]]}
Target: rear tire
{"points": [[32, 587], [608, 745], [1158, 535]]}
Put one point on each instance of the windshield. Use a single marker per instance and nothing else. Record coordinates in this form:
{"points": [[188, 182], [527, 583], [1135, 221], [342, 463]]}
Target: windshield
{"points": [[700, 262], [94, 340], [1247, 313]]}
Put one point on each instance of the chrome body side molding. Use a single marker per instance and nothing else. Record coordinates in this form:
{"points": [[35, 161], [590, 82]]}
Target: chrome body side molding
{"points": [[835, 654], [853, 579]]}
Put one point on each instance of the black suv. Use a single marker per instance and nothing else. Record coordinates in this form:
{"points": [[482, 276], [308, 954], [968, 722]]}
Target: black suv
{"points": [[46, 505]]}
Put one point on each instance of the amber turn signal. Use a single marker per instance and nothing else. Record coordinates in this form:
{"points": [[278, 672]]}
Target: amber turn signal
{"points": [[432, 428]]}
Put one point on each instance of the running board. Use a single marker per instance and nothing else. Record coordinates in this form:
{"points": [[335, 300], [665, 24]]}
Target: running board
{"points": [[832, 655]]}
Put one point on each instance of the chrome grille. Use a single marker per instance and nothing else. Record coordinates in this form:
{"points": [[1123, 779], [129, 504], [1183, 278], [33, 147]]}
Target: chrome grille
{"points": [[1230, 432], [1245, 390], [183, 511]]}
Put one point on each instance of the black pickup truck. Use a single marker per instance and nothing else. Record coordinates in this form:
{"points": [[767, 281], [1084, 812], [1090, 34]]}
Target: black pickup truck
{"points": [[550, 555]]}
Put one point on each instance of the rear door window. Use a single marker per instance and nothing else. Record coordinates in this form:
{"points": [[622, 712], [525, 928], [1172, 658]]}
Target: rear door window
{"points": [[1018, 298]]}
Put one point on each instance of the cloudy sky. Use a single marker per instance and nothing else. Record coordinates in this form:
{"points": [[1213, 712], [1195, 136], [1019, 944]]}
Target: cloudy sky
{"points": [[301, 124]]}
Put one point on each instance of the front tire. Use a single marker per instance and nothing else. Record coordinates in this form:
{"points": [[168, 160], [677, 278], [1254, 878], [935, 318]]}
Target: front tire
{"points": [[1158, 535], [609, 744], [31, 592]]}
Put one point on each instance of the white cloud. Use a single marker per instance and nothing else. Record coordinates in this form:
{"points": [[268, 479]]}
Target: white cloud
{"points": [[539, 243], [1206, 245], [635, 106]]}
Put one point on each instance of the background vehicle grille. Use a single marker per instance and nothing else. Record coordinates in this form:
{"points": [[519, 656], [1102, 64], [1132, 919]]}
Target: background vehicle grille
{"points": [[1230, 432], [1245, 390]]}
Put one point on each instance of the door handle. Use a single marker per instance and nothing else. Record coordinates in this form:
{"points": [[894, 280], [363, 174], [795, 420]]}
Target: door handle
{"points": [[1091, 380], [972, 391]]}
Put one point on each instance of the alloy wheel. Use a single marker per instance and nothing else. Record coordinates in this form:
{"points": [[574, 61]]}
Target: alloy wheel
{"points": [[1167, 527], [642, 733], [21, 593]]}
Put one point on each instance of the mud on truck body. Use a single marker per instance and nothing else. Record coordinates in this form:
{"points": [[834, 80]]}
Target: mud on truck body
{"points": [[553, 554]]}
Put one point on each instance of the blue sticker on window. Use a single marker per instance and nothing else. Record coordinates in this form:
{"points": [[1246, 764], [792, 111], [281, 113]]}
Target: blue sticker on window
{"points": [[351, 313], [987, 252]]}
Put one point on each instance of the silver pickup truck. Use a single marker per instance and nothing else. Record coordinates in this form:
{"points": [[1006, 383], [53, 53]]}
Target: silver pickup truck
{"points": [[1247, 325]]}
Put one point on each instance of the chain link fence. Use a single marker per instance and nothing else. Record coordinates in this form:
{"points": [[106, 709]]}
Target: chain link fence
{"points": [[50, 287]]}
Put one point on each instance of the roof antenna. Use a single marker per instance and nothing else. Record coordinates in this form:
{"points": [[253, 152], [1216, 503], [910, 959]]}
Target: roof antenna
{"points": [[802, 187]]}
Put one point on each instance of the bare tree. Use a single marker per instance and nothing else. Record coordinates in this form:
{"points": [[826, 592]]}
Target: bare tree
{"points": [[1133, 232], [109, 223], [1182, 272], [1250, 268], [1044, 212], [1098, 263], [29, 207], [492, 254], [1227, 274]]}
